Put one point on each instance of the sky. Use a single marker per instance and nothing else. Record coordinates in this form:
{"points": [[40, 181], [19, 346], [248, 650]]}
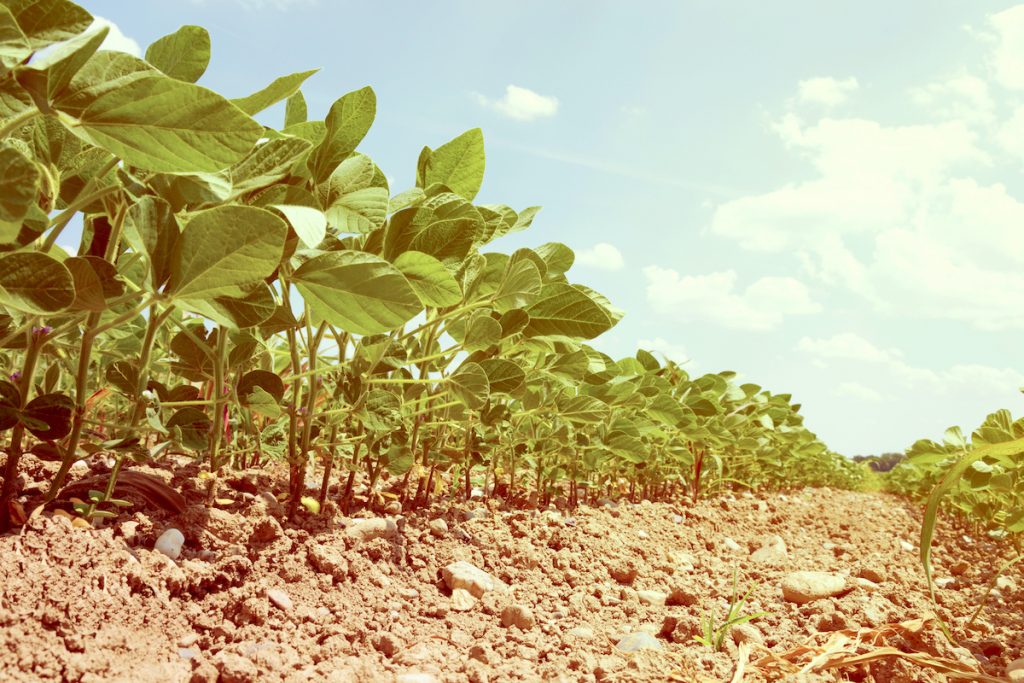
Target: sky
{"points": [[826, 198]]}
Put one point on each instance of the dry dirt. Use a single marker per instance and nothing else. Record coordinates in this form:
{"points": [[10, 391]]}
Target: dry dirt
{"points": [[256, 598]]}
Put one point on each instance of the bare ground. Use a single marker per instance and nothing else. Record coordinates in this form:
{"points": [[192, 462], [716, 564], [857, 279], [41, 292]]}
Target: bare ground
{"points": [[254, 597]]}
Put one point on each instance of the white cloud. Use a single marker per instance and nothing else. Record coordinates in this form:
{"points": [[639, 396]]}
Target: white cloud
{"points": [[858, 391], [826, 91], [890, 368], [521, 104], [116, 40], [674, 352], [962, 97], [761, 306], [1007, 57], [602, 256], [846, 346]]}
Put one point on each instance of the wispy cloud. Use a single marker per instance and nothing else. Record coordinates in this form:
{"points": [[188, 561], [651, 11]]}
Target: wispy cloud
{"points": [[602, 256], [622, 170], [521, 104], [826, 91]]}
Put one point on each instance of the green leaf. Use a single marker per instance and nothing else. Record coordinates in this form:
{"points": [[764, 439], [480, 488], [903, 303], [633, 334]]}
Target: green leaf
{"points": [[458, 164], [48, 417], [45, 22], [191, 427], [563, 310], [124, 376], [308, 223], [151, 228], [482, 332], [469, 385], [295, 110], [14, 49], [161, 124], [359, 292], [35, 283], [183, 55], [582, 409], [10, 404], [400, 459], [347, 123], [60, 65], [282, 88], [503, 376], [432, 282], [262, 403], [267, 163], [236, 313], [269, 382], [558, 257], [19, 186], [224, 248], [355, 202]]}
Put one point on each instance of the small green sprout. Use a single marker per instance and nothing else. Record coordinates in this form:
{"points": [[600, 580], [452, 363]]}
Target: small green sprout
{"points": [[712, 635]]}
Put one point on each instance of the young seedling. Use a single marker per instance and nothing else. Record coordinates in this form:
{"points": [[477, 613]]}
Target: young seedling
{"points": [[713, 634]]}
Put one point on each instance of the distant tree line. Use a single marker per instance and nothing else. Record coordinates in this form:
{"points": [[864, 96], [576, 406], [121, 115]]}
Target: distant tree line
{"points": [[880, 463]]}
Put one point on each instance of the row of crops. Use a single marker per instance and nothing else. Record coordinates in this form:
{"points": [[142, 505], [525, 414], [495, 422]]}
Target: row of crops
{"points": [[243, 294]]}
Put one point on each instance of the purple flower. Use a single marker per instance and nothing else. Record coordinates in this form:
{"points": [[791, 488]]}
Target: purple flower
{"points": [[40, 331], [15, 376]]}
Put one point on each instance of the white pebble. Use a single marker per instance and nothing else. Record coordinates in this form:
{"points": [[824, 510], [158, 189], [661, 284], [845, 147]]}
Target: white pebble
{"points": [[170, 543]]}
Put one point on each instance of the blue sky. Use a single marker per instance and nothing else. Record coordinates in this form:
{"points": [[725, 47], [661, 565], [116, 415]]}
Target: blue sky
{"points": [[824, 197]]}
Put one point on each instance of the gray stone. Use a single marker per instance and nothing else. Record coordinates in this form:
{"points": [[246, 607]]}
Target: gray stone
{"points": [[656, 598], [476, 581], [281, 599], [519, 616], [772, 551], [369, 529], [438, 528]]}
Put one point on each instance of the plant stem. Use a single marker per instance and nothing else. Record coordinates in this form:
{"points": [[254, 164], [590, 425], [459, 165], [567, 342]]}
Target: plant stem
{"points": [[34, 346]]}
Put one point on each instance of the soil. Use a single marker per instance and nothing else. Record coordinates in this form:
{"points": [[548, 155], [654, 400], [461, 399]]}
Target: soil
{"points": [[254, 597]]}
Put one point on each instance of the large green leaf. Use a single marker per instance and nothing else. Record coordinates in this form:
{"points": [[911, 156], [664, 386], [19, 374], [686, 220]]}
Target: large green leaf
{"points": [[151, 228], [14, 49], [281, 89], [458, 164], [563, 310], [582, 409], [47, 76], [236, 313], [267, 163], [225, 248], [432, 282], [359, 292], [45, 22], [469, 384], [35, 283], [347, 123], [157, 123], [309, 224], [184, 54], [354, 200], [503, 376], [19, 190]]}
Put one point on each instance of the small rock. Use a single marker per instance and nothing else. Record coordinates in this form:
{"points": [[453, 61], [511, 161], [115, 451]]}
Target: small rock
{"points": [[731, 545], [188, 640], [909, 547], [623, 572], [656, 598], [328, 559], [582, 632], [773, 551], [945, 582], [480, 654], [1006, 584], [281, 599], [1015, 670], [872, 574], [682, 562], [462, 600], [369, 529], [642, 534], [681, 596], [170, 543], [415, 677], [746, 633], [394, 507], [438, 528], [960, 568], [804, 587], [866, 584], [518, 615], [387, 644], [462, 574], [188, 653], [641, 640], [677, 519]]}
